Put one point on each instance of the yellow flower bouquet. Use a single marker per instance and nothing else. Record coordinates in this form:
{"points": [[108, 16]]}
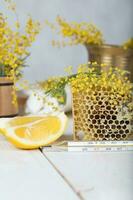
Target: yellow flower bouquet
{"points": [[14, 44], [14, 49], [102, 102], [74, 33]]}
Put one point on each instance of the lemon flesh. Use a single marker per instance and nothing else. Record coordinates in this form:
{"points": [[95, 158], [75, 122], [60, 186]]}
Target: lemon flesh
{"points": [[30, 132]]}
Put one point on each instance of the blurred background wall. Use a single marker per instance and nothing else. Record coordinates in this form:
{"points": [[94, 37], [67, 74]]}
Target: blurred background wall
{"points": [[113, 17]]}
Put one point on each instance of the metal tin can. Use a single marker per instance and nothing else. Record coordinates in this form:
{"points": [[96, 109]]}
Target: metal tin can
{"points": [[112, 55]]}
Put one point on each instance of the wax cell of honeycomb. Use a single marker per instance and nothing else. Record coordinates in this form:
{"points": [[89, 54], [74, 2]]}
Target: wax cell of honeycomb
{"points": [[102, 115]]}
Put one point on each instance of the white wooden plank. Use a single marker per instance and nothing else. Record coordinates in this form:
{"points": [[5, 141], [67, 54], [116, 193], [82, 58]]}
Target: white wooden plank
{"points": [[98, 176], [26, 175]]}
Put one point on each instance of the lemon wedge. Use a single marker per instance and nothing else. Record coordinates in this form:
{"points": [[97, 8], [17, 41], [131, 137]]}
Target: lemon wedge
{"points": [[30, 132]]}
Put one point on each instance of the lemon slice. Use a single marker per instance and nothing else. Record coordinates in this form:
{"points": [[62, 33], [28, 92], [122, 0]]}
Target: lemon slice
{"points": [[30, 132]]}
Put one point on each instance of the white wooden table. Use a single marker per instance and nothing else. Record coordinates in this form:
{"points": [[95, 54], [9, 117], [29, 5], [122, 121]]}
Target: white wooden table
{"points": [[36, 175]]}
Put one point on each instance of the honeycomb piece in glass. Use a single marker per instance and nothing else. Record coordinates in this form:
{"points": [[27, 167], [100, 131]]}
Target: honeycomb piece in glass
{"points": [[102, 115]]}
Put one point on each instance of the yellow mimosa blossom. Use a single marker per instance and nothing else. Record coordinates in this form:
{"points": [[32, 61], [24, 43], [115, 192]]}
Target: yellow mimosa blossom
{"points": [[14, 45], [77, 33], [93, 78]]}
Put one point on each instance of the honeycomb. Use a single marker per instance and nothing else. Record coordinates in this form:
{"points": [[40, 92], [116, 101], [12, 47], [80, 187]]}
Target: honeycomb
{"points": [[101, 115]]}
